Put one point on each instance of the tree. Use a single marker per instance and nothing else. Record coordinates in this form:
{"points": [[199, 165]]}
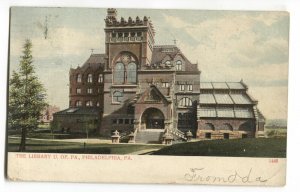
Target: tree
{"points": [[27, 96]]}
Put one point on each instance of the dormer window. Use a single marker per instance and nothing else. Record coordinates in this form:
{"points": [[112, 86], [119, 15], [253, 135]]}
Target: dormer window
{"points": [[90, 78], [178, 65], [168, 63]]}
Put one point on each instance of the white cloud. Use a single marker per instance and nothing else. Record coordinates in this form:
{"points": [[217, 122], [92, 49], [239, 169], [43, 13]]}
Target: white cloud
{"points": [[229, 50]]}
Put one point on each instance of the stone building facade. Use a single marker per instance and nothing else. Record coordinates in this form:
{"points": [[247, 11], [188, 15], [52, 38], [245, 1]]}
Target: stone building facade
{"points": [[154, 90]]}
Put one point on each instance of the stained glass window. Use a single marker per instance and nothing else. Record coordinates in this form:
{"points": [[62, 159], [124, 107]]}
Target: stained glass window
{"points": [[119, 73], [131, 73]]}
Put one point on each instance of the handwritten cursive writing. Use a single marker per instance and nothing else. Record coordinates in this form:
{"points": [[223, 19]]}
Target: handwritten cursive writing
{"points": [[199, 175]]}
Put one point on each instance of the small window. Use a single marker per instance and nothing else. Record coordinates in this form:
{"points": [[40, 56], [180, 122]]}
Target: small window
{"points": [[178, 65], [89, 104], [166, 84], [100, 78], [244, 136], [90, 78], [79, 78], [168, 63], [78, 103], [89, 90], [117, 97], [181, 87], [78, 91], [114, 121], [126, 121], [132, 34], [98, 104], [185, 102], [207, 135], [190, 87], [120, 121], [226, 135]]}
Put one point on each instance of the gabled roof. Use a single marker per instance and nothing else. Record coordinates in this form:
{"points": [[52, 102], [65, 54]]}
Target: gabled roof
{"points": [[95, 61], [144, 97], [161, 51]]}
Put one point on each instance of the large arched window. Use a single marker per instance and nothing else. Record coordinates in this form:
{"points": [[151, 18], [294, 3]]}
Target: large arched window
{"points": [[90, 78], [119, 73], [185, 102], [117, 97], [131, 73], [226, 127], [125, 69], [178, 65], [209, 126]]}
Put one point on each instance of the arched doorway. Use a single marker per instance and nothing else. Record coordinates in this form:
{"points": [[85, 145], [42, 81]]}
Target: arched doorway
{"points": [[153, 118]]}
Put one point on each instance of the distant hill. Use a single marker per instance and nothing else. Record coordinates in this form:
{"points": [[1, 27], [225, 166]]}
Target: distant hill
{"points": [[276, 123]]}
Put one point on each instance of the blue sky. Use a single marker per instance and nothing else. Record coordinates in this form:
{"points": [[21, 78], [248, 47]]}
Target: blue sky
{"points": [[228, 46]]}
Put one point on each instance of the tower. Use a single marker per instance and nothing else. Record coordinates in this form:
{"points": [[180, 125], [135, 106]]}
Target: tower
{"points": [[135, 37]]}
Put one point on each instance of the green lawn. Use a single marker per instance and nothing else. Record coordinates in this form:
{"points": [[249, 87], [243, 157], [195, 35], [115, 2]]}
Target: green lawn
{"points": [[48, 146], [251, 147]]}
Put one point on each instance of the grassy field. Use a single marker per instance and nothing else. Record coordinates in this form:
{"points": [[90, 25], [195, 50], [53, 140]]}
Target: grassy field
{"points": [[251, 147], [48, 146], [261, 147]]}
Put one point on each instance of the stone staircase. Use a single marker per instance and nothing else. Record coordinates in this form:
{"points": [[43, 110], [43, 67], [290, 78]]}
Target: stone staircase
{"points": [[149, 136]]}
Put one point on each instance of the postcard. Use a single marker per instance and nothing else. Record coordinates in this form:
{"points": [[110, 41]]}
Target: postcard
{"points": [[147, 96]]}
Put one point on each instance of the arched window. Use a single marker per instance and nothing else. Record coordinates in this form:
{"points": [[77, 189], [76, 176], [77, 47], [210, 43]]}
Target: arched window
{"points": [[185, 102], [100, 78], [117, 97], [119, 73], [209, 126], [89, 104], [178, 65], [226, 127], [78, 78], [90, 78], [131, 74], [168, 63], [78, 103], [98, 104]]}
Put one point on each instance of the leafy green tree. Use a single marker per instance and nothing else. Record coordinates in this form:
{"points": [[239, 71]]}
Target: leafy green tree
{"points": [[27, 96]]}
